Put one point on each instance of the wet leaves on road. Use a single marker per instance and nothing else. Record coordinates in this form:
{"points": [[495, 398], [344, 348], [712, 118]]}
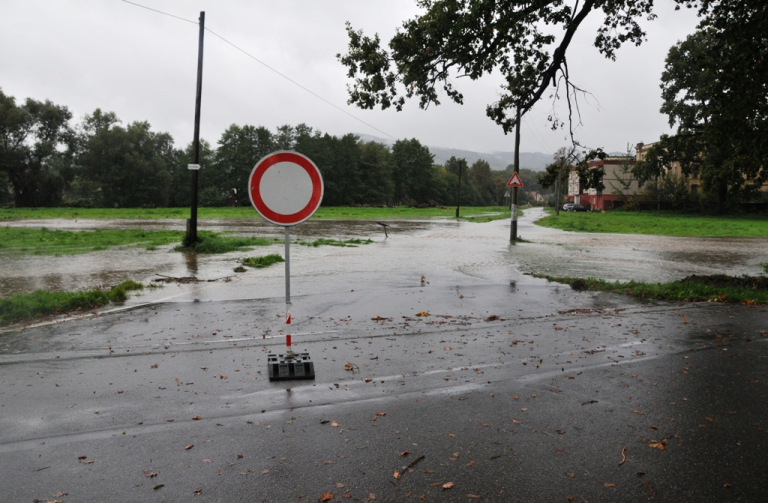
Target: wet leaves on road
{"points": [[150, 473], [326, 497], [85, 460], [189, 447]]}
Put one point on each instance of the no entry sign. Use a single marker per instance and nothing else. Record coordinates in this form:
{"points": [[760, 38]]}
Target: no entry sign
{"points": [[286, 188]]}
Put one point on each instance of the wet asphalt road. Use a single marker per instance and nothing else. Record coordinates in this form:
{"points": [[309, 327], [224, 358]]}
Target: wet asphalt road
{"points": [[511, 389]]}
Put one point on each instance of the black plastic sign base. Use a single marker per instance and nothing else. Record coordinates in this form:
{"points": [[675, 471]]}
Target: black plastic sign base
{"points": [[299, 367]]}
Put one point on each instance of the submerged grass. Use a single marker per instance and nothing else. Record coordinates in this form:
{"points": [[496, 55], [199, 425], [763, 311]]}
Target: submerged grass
{"points": [[264, 261], [336, 242], [665, 223], [717, 288], [41, 303], [21, 241], [211, 242], [476, 214]]}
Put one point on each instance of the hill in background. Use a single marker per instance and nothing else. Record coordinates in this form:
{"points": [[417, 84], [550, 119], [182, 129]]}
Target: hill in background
{"points": [[499, 161]]}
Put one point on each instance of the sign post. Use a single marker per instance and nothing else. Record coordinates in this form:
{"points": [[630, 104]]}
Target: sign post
{"points": [[286, 188], [515, 182]]}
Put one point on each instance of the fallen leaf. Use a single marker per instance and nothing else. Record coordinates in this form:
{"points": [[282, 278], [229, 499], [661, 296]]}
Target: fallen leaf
{"points": [[656, 445], [368, 379], [572, 475], [196, 418], [239, 456], [265, 471], [189, 447], [158, 486], [85, 460], [326, 497], [473, 496], [149, 474], [371, 496], [59, 494], [422, 314], [206, 460], [405, 453], [608, 484], [447, 485], [451, 435], [397, 474], [339, 485], [381, 413], [197, 492], [471, 463], [335, 424]]}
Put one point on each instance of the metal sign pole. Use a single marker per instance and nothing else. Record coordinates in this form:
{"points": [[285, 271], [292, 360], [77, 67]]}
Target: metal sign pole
{"points": [[289, 354]]}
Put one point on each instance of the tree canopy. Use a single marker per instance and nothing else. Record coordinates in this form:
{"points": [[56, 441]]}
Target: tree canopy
{"points": [[526, 41], [715, 89]]}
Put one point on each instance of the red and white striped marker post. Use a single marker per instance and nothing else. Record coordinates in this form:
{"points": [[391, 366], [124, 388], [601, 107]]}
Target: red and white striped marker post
{"points": [[288, 352]]}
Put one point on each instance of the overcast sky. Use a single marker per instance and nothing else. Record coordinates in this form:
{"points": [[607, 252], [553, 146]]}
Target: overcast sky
{"points": [[109, 54]]}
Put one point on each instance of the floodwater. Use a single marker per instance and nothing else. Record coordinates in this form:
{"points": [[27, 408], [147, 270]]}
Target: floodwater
{"points": [[446, 249]]}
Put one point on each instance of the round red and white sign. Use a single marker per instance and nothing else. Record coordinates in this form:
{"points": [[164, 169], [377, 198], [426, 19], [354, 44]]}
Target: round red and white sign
{"points": [[286, 188]]}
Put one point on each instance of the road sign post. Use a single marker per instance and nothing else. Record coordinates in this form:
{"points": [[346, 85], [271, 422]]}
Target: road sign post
{"points": [[286, 188], [516, 183]]}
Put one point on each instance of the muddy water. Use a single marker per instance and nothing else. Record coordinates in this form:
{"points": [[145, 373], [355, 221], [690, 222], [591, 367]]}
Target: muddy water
{"points": [[443, 251]]}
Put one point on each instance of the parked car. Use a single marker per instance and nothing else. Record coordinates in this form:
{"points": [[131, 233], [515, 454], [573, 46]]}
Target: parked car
{"points": [[577, 207], [568, 206]]}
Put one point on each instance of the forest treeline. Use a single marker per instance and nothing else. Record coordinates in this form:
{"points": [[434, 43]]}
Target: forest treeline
{"points": [[46, 160]]}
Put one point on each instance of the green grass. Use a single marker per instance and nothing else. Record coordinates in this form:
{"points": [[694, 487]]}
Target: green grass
{"points": [[335, 242], [264, 261], [21, 241], [211, 242], [718, 288], [41, 303], [324, 213], [666, 223]]}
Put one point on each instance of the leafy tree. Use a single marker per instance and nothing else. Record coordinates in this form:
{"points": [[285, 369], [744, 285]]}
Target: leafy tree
{"points": [[36, 145], [375, 173], [556, 174], [413, 174], [126, 166], [713, 88], [668, 188], [240, 148], [527, 42], [482, 178]]}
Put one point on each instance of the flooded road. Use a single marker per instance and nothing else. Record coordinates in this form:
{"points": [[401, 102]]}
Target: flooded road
{"points": [[459, 248], [443, 373]]}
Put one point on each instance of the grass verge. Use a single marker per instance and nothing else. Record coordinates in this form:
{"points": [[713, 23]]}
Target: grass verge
{"points": [[264, 261], [749, 290], [470, 213], [665, 223], [21, 241], [41, 303]]}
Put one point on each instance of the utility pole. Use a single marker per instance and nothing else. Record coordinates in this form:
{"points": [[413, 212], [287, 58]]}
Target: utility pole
{"points": [[458, 196], [195, 166], [513, 230]]}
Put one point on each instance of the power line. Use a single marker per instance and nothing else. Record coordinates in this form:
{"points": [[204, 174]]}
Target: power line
{"points": [[267, 66]]}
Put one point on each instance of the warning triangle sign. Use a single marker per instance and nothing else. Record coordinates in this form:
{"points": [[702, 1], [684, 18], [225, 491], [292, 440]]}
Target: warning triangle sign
{"points": [[515, 181]]}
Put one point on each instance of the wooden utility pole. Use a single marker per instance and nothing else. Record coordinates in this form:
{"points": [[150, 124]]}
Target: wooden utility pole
{"points": [[195, 166], [458, 196], [513, 230]]}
